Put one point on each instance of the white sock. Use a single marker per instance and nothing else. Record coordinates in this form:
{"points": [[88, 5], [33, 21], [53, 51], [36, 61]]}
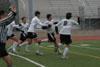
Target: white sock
{"points": [[14, 46], [23, 44], [65, 52], [45, 40], [27, 47], [37, 47], [60, 44], [10, 48]]}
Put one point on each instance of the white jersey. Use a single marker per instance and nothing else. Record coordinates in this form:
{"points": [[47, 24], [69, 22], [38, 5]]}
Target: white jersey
{"points": [[35, 21], [66, 25], [24, 27], [52, 28], [10, 28]]}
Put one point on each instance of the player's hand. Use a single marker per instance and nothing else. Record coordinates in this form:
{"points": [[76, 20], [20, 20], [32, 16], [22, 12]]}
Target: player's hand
{"points": [[13, 9]]}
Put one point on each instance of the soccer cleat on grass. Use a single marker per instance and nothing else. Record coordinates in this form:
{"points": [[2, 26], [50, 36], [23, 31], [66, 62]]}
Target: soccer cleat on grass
{"points": [[64, 57], [39, 54], [27, 51]]}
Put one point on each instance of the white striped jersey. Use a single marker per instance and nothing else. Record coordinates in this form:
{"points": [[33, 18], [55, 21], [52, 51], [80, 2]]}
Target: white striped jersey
{"points": [[3, 23]]}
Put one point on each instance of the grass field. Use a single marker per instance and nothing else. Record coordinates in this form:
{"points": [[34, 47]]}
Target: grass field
{"points": [[81, 54]]}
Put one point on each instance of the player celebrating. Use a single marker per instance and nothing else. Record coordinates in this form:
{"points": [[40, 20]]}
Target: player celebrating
{"points": [[4, 21], [10, 35], [23, 35], [65, 32], [32, 33], [50, 33]]}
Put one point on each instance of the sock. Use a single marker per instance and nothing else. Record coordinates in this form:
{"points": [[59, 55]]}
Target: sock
{"points": [[23, 44], [65, 52], [27, 47], [60, 44], [45, 40], [10, 48], [9, 66], [59, 51], [37, 47], [14, 46]]}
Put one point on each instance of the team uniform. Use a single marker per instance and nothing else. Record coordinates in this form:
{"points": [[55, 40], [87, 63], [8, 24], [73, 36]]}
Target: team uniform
{"points": [[3, 32], [50, 31], [24, 28], [65, 31], [31, 31]]}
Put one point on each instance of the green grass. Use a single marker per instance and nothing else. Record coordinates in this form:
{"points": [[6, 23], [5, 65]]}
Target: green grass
{"points": [[78, 56]]}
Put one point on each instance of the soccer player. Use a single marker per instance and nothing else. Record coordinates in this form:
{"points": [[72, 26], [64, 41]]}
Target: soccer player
{"points": [[5, 19], [50, 33], [32, 33], [23, 35], [65, 32], [10, 35]]}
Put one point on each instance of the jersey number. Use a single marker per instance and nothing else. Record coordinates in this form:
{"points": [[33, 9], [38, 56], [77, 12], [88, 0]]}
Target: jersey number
{"points": [[65, 23]]}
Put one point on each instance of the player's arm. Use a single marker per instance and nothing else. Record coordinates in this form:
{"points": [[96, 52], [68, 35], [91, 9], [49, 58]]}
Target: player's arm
{"points": [[10, 17], [56, 27], [78, 19], [44, 26]]}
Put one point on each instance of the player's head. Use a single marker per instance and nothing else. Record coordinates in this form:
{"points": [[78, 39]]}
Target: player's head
{"points": [[3, 14], [68, 15], [37, 13], [49, 17], [24, 19]]}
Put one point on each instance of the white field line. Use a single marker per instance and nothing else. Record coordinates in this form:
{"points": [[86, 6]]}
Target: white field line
{"points": [[31, 61], [86, 47]]}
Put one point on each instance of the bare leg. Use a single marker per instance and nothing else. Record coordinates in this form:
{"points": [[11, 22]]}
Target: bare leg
{"points": [[8, 61]]}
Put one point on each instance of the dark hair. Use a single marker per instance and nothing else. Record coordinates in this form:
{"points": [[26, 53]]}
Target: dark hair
{"points": [[48, 16], [23, 18], [37, 13], [68, 15], [2, 12]]}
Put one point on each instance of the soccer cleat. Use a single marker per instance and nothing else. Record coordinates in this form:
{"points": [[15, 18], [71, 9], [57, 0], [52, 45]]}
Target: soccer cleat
{"points": [[64, 57], [39, 54], [27, 51], [14, 52]]}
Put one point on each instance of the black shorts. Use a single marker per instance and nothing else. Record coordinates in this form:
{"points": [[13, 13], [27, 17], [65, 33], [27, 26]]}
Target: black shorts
{"points": [[3, 51], [23, 37], [31, 35], [65, 39], [12, 35], [51, 37]]}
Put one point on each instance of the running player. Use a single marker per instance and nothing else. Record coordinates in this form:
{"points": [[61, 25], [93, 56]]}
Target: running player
{"points": [[23, 35], [50, 33], [65, 32], [32, 33]]}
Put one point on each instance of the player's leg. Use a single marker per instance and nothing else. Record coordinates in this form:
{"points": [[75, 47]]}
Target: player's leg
{"points": [[37, 46], [67, 40], [66, 51], [8, 61], [15, 44], [4, 55]]}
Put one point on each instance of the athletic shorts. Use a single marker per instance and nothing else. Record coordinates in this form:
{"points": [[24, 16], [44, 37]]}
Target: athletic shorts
{"points": [[51, 37], [12, 35], [31, 35], [3, 51], [23, 37], [65, 39]]}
